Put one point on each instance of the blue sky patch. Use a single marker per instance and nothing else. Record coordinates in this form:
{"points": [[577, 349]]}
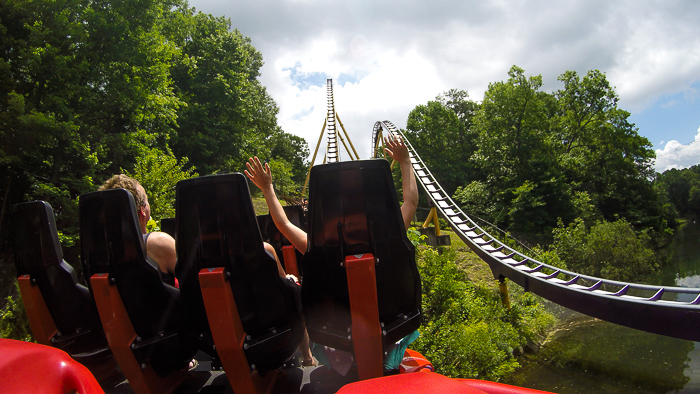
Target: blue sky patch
{"points": [[672, 117], [304, 80], [302, 114], [345, 78]]}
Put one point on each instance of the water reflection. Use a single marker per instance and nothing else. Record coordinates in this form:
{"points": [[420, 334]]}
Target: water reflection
{"points": [[588, 355], [691, 281], [683, 268], [595, 356]]}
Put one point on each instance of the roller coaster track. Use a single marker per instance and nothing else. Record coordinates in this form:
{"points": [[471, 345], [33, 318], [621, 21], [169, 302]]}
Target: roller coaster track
{"points": [[671, 311], [332, 152]]}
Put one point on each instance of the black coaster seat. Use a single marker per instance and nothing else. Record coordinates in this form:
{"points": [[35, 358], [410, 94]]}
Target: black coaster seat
{"points": [[167, 225], [354, 210], [112, 243], [217, 227], [38, 254]]}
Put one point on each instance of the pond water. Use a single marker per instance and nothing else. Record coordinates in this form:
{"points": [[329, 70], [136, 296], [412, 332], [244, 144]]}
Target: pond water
{"points": [[593, 356]]}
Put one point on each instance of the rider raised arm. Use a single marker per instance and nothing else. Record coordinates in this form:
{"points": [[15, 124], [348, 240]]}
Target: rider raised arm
{"points": [[262, 177]]}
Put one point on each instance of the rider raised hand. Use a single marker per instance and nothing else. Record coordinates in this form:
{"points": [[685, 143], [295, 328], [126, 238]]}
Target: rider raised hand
{"points": [[262, 177], [397, 150]]}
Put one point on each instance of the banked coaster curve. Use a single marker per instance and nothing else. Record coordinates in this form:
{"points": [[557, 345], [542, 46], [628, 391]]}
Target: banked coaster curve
{"points": [[671, 311]]}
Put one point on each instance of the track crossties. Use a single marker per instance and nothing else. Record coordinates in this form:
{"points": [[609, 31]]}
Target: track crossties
{"points": [[671, 311]]}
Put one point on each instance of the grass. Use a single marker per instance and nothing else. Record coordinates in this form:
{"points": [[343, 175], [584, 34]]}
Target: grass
{"points": [[260, 206], [475, 268]]}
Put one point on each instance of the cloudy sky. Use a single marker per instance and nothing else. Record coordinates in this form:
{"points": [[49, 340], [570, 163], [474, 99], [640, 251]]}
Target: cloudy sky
{"points": [[387, 57]]}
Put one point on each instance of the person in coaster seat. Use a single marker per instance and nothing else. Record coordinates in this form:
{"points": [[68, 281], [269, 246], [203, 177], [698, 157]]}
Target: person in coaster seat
{"points": [[261, 176], [160, 247]]}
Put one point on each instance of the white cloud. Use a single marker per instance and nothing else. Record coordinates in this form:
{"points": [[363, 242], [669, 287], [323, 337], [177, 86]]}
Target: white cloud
{"points": [[388, 91], [396, 56], [677, 155]]}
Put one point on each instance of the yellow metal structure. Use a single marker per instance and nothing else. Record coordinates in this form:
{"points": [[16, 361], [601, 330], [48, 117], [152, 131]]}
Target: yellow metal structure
{"points": [[346, 147], [503, 288], [320, 137], [433, 216], [347, 137]]}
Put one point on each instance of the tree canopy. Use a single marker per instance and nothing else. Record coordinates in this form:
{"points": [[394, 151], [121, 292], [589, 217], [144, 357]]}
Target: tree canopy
{"points": [[524, 158], [443, 131], [93, 88], [680, 190], [227, 114]]}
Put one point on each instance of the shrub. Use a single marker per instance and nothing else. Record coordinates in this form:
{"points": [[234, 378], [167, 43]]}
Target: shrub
{"points": [[610, 250], [13, 319], [476, 200], [467, 331], [158, 173]]}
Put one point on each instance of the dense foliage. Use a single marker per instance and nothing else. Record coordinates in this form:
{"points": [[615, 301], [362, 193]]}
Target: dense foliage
{"points": [[467, 331], [610, 250], [680, 189], [151, 88], [565, 170], [158, 173], [14, 323], [523, 158], [443, 134]]}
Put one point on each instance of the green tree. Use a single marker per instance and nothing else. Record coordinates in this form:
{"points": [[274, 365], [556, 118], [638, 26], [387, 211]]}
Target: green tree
{"points": [[694, 200], [442, 133], [542, 157], [14, 323], [282, 178], [601, 153], [610, 250], [584, 109], [85, 86], [515, 154], [475, 198], [677, 186], [680, 189], [158, 172], [228, 115], [293, 150], [513, 128], [88, 88]]}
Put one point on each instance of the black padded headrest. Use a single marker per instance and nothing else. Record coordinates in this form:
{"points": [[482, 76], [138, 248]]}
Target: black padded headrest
{"points": [[38, 253], [109, 230], [167, 225], [112, 242], [217, 227], [34, 225], [353, 209]]}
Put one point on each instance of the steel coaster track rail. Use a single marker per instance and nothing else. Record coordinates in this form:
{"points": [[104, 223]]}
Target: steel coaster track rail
{"points": [[671, 311], [332, 152]]}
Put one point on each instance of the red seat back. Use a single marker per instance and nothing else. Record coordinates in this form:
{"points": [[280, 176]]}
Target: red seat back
{"points": [[22, 363]]}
